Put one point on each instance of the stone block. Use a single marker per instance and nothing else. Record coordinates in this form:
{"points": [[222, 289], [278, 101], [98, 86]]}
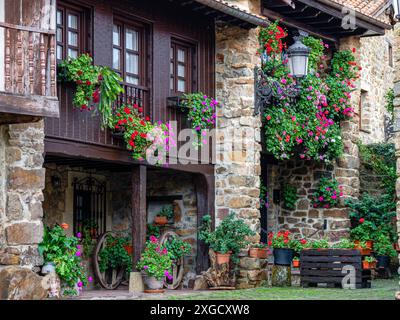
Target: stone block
{"points": [[22, 179], [14, 209], [24, 233], [248, 263], [303, 204]]}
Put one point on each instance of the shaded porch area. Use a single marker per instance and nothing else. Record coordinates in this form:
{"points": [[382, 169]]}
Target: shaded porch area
{"points": [[103, 196]]}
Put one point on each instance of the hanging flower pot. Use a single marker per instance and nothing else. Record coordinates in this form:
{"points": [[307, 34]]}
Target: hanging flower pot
{"points": [[223, 258], [283, 256]]}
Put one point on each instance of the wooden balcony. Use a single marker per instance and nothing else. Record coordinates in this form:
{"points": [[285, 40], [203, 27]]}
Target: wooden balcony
{"points": [[28, 87]]}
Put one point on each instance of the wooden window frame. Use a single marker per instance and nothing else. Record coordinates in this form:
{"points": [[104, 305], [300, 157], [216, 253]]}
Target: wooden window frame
{"points": [[142, 52], [82, 28], [390, 54], [190, 66]]}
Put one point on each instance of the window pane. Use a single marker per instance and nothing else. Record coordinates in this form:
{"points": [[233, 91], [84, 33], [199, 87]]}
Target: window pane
{"points": [[116, 59], [172, 53], [132, 80], [72, 53], [72, 38], [59, 52], [181, 85], [59, 17], [181, 55], [116, 35], [59, 35], [132, 63], [132, 40], [171, 69], [73, 21], [181, 71], [171, 83]]}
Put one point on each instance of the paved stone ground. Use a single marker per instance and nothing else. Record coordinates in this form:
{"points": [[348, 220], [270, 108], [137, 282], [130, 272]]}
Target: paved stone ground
{"points": [[381, 290]]}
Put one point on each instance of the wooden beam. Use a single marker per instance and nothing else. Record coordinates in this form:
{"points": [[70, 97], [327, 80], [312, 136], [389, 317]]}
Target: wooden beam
{"points": [[139, 214], [296, 24], [205, 194]]}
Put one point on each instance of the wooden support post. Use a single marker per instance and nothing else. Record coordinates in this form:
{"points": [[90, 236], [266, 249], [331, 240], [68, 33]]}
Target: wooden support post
{"points": [[139, 215], [205, 206]]}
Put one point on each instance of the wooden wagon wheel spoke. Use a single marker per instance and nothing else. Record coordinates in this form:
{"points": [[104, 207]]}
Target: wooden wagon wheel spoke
{"points": [[178, 266], [109, 280]]}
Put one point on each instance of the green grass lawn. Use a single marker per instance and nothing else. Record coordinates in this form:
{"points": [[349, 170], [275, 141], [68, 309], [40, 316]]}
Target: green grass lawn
{"points": [[381, 290]]}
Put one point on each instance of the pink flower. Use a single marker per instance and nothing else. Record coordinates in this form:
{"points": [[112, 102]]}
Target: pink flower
{"points": [[321, 198], [334, 197], [283, 80], [79, 235], [78, 253], [153, 239], [80, 284], [90, 279]]}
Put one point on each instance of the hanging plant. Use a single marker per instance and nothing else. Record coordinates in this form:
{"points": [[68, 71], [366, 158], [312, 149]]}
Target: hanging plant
{"points": [[142, 137], [96, 86], [289, 195], [307, 128], [327, 194], [202, 114]]}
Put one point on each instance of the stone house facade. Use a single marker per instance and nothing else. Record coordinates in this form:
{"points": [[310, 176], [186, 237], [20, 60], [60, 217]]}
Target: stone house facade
{"points": [[32, 160]]}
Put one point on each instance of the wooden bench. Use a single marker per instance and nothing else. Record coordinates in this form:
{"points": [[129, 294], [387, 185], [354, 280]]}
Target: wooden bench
{"points": [[325, 266]]}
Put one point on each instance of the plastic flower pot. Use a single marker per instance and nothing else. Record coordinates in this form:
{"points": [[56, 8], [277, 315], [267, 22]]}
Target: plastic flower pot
{"points": [[283, 256], [383, 261], [160, 220], [296, 263], [222, 258], [368, 265]]}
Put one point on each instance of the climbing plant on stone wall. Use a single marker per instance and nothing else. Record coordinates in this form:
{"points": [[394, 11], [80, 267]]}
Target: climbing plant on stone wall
{"points": [[308, 127]]}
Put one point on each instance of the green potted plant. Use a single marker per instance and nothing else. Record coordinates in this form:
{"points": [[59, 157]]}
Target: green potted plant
{"points": [[344, 244], [166, 213], [155, 264], [284, 247], [115, 255], [177, 248], [364, 232], [289, 196], [227, 239], [65, 255], [369, 263], [383, 250], [258, 250]]}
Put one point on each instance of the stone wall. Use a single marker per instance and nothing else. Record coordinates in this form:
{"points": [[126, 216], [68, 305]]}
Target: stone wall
{"points": [[21, 182], [376, 79], [238, 130]]}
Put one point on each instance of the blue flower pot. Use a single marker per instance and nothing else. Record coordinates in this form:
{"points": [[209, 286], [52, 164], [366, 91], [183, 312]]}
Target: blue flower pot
{"points": [[283, 256], [382, 261]]}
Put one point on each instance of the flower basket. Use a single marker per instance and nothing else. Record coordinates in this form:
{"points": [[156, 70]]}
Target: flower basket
{"points": [[223, 258], [296, 263]]}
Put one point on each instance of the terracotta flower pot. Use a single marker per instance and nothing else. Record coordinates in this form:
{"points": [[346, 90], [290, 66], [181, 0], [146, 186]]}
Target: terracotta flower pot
{"points": [[296, 263], [396, 247], [260, 253], [364, 251], [370, 244], [160, 220], [368, 265], [222, 257]]}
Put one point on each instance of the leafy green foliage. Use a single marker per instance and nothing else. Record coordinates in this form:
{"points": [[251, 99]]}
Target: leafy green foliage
{"points": [[389, 97], [230, 235], [155, 260], [65, 253], [364, 231], [284, 240], [383, 246], [307, 128], [177, 248], [152, 230], [327, 194], [95, 85], [344, 244], [166, 211], [289, 196], [114, 255], [319, 244]]}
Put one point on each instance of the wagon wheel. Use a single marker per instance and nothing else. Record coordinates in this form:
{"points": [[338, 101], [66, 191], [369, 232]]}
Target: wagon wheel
{"points": [[111, 278], [177, 267]]}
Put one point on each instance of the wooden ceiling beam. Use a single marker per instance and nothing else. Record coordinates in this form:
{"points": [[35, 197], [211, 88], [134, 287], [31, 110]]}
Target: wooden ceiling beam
{"points": [[289, 22]]}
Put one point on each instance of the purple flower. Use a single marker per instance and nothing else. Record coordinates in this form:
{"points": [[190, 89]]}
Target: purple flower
{"points": [[80, 284], [78, 253], [145, 267], [78, 246], [79, 235], [90, 279]]}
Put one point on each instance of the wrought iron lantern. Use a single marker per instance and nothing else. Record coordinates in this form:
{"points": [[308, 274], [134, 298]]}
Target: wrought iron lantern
{"points": [[297, 55]]}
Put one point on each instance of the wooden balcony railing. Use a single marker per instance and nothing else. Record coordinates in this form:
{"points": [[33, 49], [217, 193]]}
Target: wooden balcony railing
{"points": [[28, 84]]}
